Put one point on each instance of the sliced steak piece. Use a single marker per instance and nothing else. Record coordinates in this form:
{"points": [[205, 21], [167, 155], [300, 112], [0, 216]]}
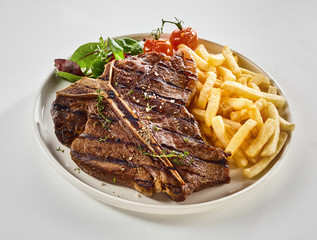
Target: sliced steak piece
{"points": [[132, 125]]}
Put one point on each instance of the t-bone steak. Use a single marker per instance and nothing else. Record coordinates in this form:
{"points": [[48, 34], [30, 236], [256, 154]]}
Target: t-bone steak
{"points": [[131, 126]]}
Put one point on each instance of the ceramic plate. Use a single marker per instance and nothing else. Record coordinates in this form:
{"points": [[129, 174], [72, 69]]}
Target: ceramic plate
{"points": [[130, 199]]}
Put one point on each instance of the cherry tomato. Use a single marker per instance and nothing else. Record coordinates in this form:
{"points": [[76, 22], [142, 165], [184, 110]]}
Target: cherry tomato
{"points": [[187, 36], [161, 45]]}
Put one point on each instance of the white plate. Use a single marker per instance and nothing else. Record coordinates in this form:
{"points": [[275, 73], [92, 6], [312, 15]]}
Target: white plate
{"points": [[127, 198]]}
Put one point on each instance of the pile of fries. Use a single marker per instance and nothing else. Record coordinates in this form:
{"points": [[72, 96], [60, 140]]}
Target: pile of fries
{"points": [[237, 110]]}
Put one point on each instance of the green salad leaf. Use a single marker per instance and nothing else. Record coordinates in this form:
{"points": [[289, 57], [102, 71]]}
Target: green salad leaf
{"points": [[116, 49], [90, 59], [86, 54], [130, 46], [70, 77], [97, 68]]}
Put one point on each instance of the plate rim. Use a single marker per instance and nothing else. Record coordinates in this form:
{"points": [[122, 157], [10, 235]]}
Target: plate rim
{"points": [[144, 207]]}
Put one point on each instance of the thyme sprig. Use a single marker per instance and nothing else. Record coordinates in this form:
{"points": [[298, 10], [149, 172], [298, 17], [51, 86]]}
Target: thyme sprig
{"points": [[100, 107], [102, 139], [177, 157], [59, 149]]}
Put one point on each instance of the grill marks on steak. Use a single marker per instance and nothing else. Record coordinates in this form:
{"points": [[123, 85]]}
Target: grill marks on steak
{"points": [[145, 98], [114, 153]]}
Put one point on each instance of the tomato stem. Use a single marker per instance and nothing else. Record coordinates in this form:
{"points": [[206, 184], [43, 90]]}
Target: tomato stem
{"points": [[156, 33], [178, 23]]}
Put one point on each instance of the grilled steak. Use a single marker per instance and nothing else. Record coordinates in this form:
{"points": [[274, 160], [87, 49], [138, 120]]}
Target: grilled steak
{"points": [[132, 125]]}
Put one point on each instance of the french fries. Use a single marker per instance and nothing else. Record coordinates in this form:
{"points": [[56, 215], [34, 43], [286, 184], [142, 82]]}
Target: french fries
{"points": [[232, 64], [237, 103], [252, 94], [213, 105], [200, 62], [240, 136], [238, 110], [206, 90], [264, 162], [265, 133], [271, 146], [226, 74]]}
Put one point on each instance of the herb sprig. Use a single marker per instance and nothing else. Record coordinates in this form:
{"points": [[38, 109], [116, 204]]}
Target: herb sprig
{"points": [[177, 157], [100, 107], [102, 139], [59, 149]]}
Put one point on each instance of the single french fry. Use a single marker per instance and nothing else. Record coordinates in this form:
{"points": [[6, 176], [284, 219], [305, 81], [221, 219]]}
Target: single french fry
{"points": [[265, 133], [219, 129], [238, 157], [202, 76], [213, 105], [255, 114], [216, 59], [252, 94], [254, 160], [199, 114], [272, 90], [243, 80], [232, 64], [285, 125], [202, 52], [233, 124], [247, 71], [247, 76], [206, 90], [260, 104], [226, 74], [237, 103], [218, 83], [200, 62], [240, 115], [240, 136], [254, 86], [264, 162], [260, 79], [271, 146]]}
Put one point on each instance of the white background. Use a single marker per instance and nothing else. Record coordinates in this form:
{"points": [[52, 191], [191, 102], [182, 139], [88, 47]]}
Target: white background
{"points": [[36, 202]]}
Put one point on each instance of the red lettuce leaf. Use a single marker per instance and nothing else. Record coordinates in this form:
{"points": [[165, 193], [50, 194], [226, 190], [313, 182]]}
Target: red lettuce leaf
{"points": [[68, 66]]}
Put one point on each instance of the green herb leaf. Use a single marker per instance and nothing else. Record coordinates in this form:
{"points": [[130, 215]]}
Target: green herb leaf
{"points": [[87, 54], [68, 76], [103, 139], [59, 149], [130, 46], [116, 49], [98, 68]]}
